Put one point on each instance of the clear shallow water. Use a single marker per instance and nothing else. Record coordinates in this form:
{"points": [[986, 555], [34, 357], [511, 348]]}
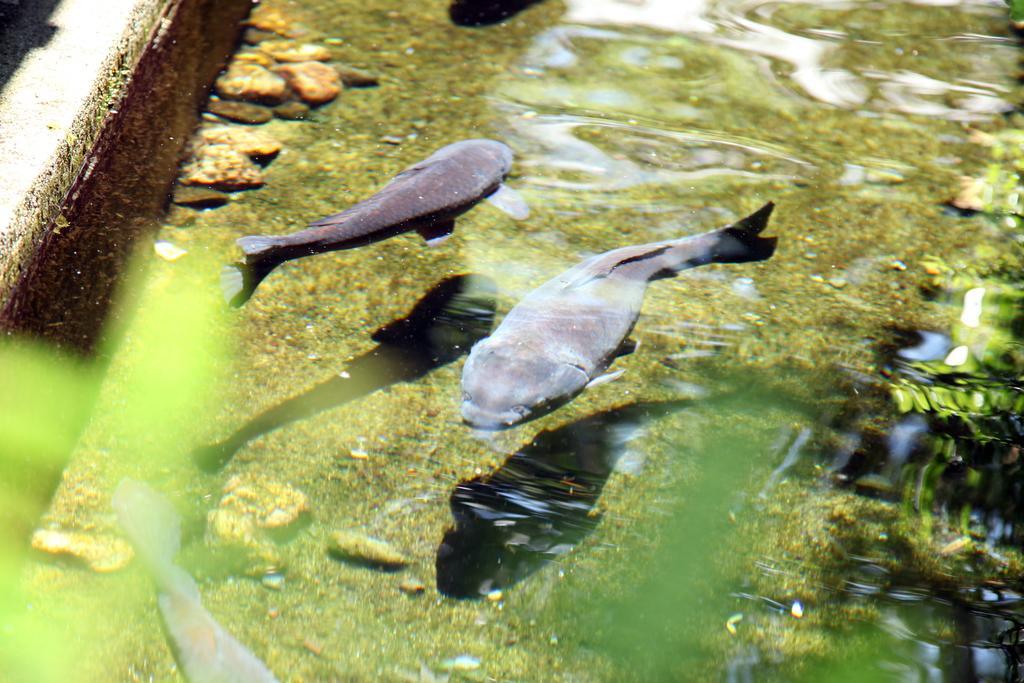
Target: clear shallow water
{"points": [[642, 535]]}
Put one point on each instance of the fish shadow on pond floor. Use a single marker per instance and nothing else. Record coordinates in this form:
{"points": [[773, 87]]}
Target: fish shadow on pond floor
{"points": [[485, 12], [443, 325], [538, 505]]}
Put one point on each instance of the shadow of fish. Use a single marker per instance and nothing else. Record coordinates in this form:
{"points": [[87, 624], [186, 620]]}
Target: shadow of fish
{"points": [[563, 335], [443, 325], [426, 197]]}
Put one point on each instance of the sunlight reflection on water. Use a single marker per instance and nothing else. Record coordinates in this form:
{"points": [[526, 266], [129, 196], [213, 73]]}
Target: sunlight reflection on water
{"points": [[581, 78]]}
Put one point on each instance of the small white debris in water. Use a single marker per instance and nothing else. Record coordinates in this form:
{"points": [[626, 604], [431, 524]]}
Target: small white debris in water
{"points": [[344, 374], [797, 610], [957, 356], [168, 251], [461, 663], [730, 623], [273, 581]]}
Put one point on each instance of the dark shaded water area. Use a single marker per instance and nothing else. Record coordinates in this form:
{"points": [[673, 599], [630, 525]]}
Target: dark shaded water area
{"points": [[808, 469]]}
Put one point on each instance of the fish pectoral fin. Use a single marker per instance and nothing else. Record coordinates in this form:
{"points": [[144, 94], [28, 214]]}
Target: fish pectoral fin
{"points": [[436, 233], [604, 379], [511, 202], [627, 347]]}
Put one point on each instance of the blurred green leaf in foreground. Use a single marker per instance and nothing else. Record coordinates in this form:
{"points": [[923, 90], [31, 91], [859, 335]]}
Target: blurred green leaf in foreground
{"points": [[162, 361]]}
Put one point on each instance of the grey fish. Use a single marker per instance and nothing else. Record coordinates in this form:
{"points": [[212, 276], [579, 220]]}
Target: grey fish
{"points": [[564, 335], [426, 197], [206, 651]]}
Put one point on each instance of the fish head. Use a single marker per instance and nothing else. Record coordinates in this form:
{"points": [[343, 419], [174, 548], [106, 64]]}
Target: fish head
{"points": [[502, 388], [497, 154]]}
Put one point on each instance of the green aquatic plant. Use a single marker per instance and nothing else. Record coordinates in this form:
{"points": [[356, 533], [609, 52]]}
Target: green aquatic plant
{"points": [[45, 398], [971, 395], [1016, 11]]}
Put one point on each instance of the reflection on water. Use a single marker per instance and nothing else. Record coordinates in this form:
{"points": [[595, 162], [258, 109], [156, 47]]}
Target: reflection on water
{"points": [[609, 101], [953, 455], [577, 153], [538, 505], [973, 634]]}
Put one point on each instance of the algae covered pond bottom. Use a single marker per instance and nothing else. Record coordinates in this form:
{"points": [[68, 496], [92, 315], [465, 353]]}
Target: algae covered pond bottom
{"points": [[783, 484]]}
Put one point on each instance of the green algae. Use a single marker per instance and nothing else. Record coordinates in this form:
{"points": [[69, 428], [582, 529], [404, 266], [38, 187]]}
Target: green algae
{"points": [[677, 540]]}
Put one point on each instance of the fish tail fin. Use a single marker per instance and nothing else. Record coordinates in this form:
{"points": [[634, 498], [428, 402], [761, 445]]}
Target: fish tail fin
{"points": [[257, 246], [154, 528], [742, 242], [238, 281]]}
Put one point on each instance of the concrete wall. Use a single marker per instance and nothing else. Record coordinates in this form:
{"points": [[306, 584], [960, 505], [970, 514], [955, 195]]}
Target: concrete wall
{"points": [[96, 102]]}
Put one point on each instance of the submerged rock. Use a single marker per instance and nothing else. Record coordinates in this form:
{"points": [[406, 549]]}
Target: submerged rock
{"points": [[198, 197], [248, 522], [412, 586], [290, 51], [292, 111], [223, 167], [242, 112], [970, 196], [254, 36], [315, 82], [253, 143], [254, 55], [245, 80], [232, 526], [357, 548], [225, 158], [352, 77], [99, 552], [271, 505], [271, 20]]}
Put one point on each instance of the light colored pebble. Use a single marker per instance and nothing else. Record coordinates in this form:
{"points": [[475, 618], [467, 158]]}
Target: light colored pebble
{"points": [[248, 81], [289, 51], [352, 546], [272, 505], [315, 82], [412, 586], [168, 251], [100, 553]]}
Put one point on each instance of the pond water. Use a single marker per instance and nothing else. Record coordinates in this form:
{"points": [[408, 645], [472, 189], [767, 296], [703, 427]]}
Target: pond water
{"points": [[745, 502]]}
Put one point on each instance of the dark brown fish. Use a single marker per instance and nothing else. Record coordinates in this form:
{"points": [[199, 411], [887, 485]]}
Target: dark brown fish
{"points": [[563, 335], [426, 197]]}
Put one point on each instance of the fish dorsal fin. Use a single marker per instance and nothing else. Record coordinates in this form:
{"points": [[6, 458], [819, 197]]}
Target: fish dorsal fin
{"points": [[603, 265], [412, 170], [511, 202]]}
